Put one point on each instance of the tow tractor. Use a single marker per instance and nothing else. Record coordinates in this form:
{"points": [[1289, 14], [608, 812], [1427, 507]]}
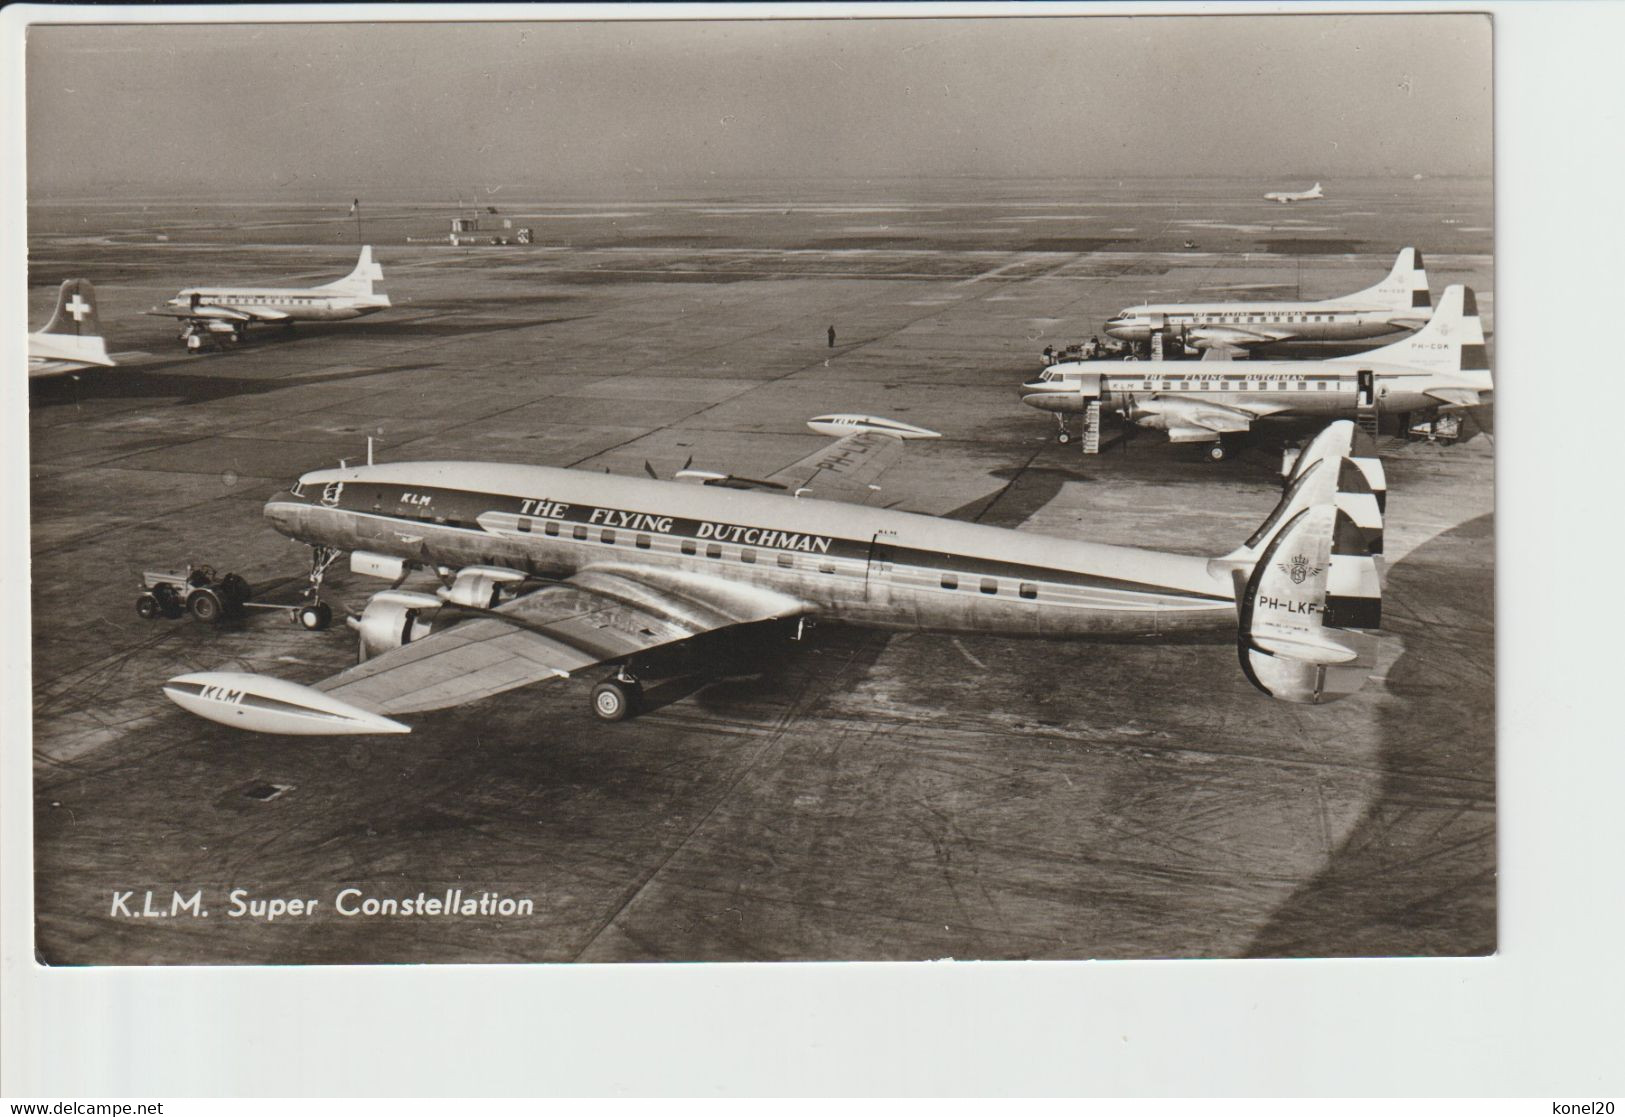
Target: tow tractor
{"points": [[211, 598], [1444, 429]]}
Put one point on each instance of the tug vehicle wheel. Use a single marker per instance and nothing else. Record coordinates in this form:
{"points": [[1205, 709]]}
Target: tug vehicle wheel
{"points": [[206, 606], [614, 700], [314, 618], [147, 607]]}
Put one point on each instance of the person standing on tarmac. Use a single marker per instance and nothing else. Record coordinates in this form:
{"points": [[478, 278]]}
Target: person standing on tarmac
{"points": [[832, 337]]}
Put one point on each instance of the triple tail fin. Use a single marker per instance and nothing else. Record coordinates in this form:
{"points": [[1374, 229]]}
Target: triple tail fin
{"points": [[361, 279], [1309, 580], [1311, 609], [1405, 288], [1339, 466]]}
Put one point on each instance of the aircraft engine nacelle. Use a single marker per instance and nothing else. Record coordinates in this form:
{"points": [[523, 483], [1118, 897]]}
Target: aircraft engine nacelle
{"points": [[1218, 337], [480, 587], [393, 619], [216, 326]]}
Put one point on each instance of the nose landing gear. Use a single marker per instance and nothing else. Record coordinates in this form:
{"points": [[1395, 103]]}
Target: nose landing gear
{"points": [[1063, 434], [316, 614]]}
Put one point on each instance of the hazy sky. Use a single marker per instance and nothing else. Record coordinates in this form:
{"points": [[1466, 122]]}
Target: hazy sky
{"points": [[627, 108]]}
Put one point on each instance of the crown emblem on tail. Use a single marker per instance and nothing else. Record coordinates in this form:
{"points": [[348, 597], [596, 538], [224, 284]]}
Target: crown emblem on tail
{"points": [[1298, 569]]}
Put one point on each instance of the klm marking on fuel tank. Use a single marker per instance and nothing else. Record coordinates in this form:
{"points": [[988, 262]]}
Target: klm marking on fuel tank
{"points": [[222, 694]]}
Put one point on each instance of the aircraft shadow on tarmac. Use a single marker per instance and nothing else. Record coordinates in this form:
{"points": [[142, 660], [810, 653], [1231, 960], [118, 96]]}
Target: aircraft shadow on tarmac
{"points": [[1419, 865], [151, 382]]}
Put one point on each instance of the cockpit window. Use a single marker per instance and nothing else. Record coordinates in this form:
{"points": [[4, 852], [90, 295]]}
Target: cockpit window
{"points": [[298, 487]]}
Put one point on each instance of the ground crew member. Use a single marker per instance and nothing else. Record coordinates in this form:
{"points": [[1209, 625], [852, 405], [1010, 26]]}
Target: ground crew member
{"points": [[832, 337]]}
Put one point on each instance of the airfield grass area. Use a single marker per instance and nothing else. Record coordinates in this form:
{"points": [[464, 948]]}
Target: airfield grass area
{"points": [[856, 796]]}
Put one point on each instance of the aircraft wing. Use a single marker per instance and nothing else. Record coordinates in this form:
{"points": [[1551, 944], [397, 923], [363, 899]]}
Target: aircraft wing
{"points": [[1188, 419], [602, 614], [220, 313], [845, 469], [1458, 397], [1228, 337]]}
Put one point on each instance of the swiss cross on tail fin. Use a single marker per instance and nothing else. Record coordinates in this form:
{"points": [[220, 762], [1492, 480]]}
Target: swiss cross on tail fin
{"points": [[75, 313]]}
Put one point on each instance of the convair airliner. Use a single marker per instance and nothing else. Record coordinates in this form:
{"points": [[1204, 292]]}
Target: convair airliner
{"points": [[1311, 194], [548, 572], [1399, 302], [72, 339], [1443, 365], [230, 310]]}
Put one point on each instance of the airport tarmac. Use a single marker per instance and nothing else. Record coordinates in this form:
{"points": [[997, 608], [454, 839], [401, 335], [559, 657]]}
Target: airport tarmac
{"points": [[856, 796]]}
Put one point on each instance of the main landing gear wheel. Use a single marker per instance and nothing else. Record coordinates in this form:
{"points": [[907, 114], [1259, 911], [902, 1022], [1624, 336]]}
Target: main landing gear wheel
{"points": [[1217, 452], [616, 699], [314, 618]]}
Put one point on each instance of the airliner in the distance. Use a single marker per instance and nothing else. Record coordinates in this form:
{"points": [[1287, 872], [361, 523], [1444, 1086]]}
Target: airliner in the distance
{"points": [[229, 310], [1308, 195], [1400, 302], [1443, 365]]}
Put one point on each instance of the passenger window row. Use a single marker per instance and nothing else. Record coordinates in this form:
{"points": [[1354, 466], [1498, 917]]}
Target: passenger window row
{"points": [[747, 555]]}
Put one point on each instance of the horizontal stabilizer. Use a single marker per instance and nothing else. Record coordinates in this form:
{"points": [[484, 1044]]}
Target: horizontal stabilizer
{"points": [[1309, 650], [1457, 397]]}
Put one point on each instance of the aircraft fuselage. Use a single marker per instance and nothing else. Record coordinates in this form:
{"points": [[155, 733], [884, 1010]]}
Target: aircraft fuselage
{"points": [[1281, 389], [1291, 321], [870, 567], [306, 305]]}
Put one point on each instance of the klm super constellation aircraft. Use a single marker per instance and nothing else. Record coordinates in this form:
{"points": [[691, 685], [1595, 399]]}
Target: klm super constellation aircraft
{"points": [[1399, 302], [550, 572], [72, 339], [228, 311], [1442, 366]]}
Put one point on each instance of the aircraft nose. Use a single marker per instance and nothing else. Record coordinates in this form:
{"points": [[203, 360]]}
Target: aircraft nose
{"points": [[285, 511]]}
